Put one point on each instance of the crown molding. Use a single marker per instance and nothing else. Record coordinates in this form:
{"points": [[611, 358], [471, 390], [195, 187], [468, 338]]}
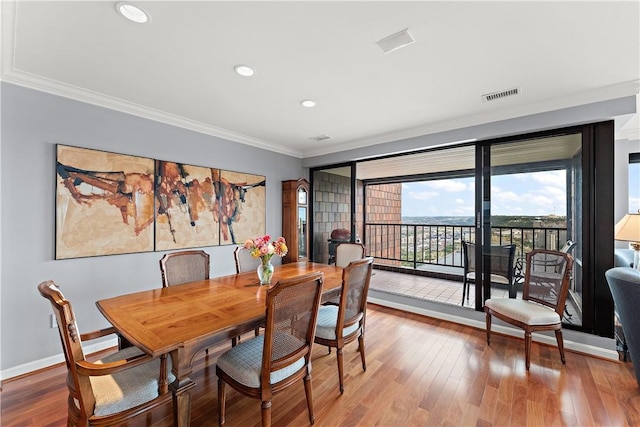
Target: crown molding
{"points": [[105, 101]]}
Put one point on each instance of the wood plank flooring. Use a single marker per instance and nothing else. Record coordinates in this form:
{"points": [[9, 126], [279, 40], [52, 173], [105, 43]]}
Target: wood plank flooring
{"points": [[420, 372]]}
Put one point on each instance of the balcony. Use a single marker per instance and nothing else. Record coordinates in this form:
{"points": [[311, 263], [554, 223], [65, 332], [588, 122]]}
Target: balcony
{"points": [[431, 257]]}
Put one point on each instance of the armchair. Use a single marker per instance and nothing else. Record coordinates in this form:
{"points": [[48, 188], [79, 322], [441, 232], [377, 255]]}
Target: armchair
{"points": [[114, 389]]}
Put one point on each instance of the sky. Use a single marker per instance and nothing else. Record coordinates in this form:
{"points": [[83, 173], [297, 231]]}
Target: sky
{"points": [[535, 194]]}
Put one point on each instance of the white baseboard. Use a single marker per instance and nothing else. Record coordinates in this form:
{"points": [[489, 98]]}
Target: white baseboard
{"points": [[53, 360], [506, 330]]}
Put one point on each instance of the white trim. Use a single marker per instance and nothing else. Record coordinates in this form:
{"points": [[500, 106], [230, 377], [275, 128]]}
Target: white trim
{"points": [[53, 360], [506, 330]]}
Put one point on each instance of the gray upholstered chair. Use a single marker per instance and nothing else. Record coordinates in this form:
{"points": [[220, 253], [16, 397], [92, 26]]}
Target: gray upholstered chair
{"points": [[244, 260], [269, 363], [114, 389], [342, 324], [183, 267], [546, 285], [623, 257], [624, 283]]}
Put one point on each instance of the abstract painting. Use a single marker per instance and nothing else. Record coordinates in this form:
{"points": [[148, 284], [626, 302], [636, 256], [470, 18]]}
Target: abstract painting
{"points": [[186, 201], [242, 201], [104, 203]]}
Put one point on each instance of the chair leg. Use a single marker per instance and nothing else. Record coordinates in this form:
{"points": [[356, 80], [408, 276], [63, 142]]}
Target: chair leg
{"points": [[340, 369], [221, 401], [488, 322], [527, 348], [464, 289], [361, 349], [234, 341], [560, 344], [309, 393], [266, 413], [257, 332]]}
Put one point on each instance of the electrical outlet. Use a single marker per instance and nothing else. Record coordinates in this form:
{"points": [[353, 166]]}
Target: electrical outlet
{"points": [[52, 321]]}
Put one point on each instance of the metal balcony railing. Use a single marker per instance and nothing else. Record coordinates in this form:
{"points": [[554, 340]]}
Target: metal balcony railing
{"points": [[419, 245]]}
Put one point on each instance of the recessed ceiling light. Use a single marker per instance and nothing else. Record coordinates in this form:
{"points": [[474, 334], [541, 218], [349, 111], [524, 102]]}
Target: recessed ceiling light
{"points": [[308, 103], [244, 70], [132, 13]]}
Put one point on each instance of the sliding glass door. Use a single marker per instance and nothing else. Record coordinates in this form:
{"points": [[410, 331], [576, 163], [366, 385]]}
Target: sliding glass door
{"points": [[532, 199], [334, 206]]}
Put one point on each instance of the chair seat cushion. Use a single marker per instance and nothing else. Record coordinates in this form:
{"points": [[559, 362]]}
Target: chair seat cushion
{"points": [[495, 278], [243, 362], [128, 388], [326, 326], [523, 311]]}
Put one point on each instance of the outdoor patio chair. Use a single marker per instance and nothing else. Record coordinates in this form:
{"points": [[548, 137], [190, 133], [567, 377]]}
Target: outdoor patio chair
{"points": [[502, 267]]}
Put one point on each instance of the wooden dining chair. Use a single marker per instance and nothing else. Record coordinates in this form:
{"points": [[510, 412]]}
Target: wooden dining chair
{"points": [[183, 267], [502, 267], [244, 260], [269, 363], [546, 284], [112, 390], [342, 324], [347, 252]]}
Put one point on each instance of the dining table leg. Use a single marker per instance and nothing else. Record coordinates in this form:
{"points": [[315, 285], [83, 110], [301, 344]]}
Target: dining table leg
{"points": [[180, 389]]}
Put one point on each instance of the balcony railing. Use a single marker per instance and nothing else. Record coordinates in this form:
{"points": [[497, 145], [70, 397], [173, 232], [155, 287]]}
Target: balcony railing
{"points": [[419, 245]]}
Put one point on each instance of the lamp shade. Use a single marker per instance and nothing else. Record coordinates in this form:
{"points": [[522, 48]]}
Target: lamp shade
{"points": [[628, 228]]}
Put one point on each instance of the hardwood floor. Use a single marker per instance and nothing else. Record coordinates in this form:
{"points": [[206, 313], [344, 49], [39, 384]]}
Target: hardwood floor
{"points": [[420, 372]]}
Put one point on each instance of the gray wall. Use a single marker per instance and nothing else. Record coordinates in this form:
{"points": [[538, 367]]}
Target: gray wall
{"points": [[32, 123]]}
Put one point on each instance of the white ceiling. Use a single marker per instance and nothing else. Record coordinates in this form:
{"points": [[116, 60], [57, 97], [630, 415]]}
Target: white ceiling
{"points": [[178, 68]]}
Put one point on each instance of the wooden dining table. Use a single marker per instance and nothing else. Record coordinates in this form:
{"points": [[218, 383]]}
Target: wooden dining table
{"points": [[183, 320]]}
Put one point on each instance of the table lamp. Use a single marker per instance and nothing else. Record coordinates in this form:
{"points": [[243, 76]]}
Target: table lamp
{"points": [[628, 228]]}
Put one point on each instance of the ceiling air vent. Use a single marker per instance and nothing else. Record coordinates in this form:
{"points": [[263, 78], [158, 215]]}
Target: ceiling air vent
{"points": [[395, 41], [320, 138], [502, 94]]}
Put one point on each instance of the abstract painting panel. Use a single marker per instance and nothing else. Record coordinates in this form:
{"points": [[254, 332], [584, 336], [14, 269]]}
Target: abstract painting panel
{"points": [[242, 206], [187, 211], [104, 203]]}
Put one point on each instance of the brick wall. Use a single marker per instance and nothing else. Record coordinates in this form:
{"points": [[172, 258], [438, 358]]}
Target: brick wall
{"points": [[384, 206]]}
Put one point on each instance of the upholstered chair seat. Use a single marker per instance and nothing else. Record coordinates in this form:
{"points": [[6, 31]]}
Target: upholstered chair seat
{"points": [[126, 389], [244, 361], [327, 319]]}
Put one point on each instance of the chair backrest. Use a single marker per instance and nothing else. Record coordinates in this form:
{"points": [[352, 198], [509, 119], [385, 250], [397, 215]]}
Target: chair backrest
{"points": [[568, 247], [624, 283], [347, 252], [79, 386], [183, 267], [547, 278], [353, 298], [244, 260], [290, 325], [502, 259]]}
